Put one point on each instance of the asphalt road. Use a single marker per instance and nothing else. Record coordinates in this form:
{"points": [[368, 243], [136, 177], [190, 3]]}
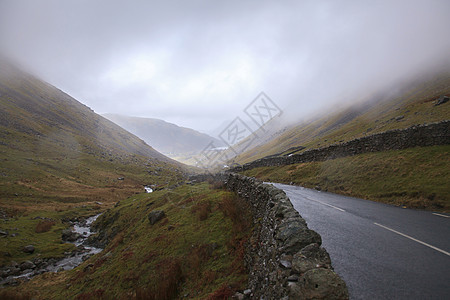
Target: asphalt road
{"points": [[381, 251]]}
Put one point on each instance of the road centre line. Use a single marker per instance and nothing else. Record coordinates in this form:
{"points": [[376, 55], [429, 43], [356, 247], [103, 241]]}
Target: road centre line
{"points": [[335, 207], [415, 240], [441, 215]]}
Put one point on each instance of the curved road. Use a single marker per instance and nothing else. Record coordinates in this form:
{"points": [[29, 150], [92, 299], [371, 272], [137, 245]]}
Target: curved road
{"points": [[381, 251]]}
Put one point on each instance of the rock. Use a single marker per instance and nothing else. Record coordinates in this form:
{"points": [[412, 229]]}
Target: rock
{"points": [[293, 278], [442, 100], [238, 296], [121, 178], [319, 284], [69, 235], [3, 233], [247, 292], [88, 268], [295, 236], [28, 249], [286, 264], [27, 265], [11, 281], [14, 264], [14, 271], [27, 271], [399, 118], [155, 216], [310, 257]]}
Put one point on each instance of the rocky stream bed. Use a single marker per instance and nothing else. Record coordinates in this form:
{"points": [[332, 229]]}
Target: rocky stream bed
{"points": [[77, 234]]}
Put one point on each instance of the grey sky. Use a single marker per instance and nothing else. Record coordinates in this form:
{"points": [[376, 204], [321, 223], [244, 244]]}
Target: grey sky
{"points": [[198, 63]]}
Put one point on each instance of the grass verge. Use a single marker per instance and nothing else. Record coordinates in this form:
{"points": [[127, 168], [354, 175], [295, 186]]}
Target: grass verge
{"points": [[415, 178]]}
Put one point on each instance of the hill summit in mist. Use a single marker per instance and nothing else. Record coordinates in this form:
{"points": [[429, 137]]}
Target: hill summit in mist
{"points": [[177, 142]]}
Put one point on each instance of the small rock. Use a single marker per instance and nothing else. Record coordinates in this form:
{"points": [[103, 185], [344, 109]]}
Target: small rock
{"points": [[293, 278], [121, 178], [247, 292], [399, 118], [27, 265], [238, 296], [442, 100], [98, 203], [286, 264], [88, 268], [28, 249], [69, 235], [14, 271], [3, 233], [155, 216]]}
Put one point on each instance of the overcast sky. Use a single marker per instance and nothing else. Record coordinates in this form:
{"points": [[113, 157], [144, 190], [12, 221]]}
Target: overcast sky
{"points": [[198, 63]]}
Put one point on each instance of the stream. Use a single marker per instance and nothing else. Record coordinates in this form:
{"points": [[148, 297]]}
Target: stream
{"points": [[82, 230]]}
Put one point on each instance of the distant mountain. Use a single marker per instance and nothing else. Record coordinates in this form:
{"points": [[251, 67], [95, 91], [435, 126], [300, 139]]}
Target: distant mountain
{"points": [[170, 139], [51, 145], [412, 104]]}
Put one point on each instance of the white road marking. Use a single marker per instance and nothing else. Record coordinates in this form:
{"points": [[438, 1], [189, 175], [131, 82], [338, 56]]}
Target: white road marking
{"points": [[330, 205], [335, 207], [441, 215], [415, 240]]}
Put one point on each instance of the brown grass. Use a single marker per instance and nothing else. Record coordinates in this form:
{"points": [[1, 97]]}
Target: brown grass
{"points": [[202, 210], [215, 184], [44, 226], [224, 292], [169, 277], [12, 295], [237, 210]]}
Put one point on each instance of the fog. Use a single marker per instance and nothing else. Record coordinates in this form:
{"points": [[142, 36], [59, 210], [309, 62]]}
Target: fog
{"points": [[199, 63]]}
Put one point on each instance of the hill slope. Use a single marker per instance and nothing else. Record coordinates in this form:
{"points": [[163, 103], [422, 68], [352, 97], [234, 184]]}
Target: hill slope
{"points": [[60, 160], [172, 140], [414, 105], [45, 133]]}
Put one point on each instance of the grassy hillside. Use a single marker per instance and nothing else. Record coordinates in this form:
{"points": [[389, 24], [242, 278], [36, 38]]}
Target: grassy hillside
{"points": [[195, 252], [414, 105], [174, 141], [416, 177], [58, 159]]}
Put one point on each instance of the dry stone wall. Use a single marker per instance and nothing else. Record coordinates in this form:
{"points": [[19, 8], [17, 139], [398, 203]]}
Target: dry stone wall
{"points": [[421, 135], [284, 257]]}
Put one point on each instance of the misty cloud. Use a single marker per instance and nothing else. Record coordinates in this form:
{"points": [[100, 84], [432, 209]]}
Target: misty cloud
{"points": [[197, 63]]}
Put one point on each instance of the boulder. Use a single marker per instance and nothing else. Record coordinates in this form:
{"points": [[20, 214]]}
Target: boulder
{"points": [[319, 284], [27, 265], [310, 257], [155, 216], [442, 100], [295, 236], [69, 235], [28, 249]]}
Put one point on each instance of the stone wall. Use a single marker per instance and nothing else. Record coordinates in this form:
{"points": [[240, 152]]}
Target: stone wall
{"points": [[423, 135], [284, 257]]}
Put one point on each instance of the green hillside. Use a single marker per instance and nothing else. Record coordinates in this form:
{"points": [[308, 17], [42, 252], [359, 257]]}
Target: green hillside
{"points": [[415, 105], [59, 160], [196, 251], [414, 178]]}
